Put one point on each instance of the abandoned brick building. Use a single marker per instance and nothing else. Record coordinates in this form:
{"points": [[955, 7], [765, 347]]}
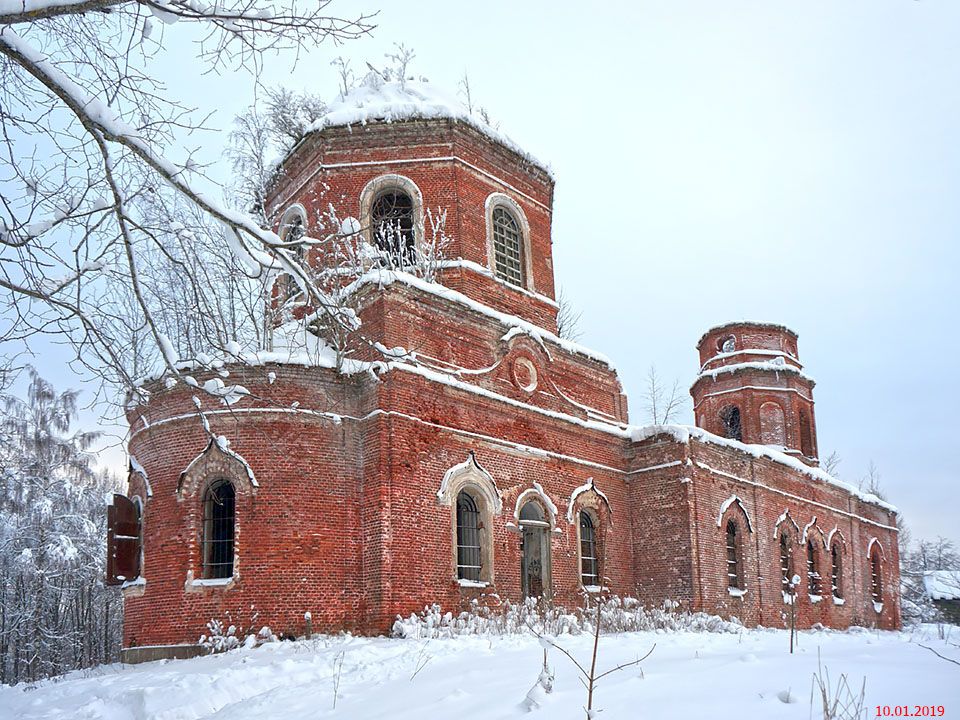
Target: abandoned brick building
{"points": [[490, 458]]}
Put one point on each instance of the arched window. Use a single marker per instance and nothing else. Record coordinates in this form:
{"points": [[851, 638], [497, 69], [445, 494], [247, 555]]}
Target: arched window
{"points": [[734, 572], [589, 574], [876, 579], [507, 247], [786, 564], [469, 564], [392, 221], [292, 231], [730, 418], [813, 577], [218, 530], [836, 570], [806, 434]]}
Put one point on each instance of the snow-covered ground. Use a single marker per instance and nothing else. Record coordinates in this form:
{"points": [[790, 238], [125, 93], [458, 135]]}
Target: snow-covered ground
{"points": [[689, 675]]}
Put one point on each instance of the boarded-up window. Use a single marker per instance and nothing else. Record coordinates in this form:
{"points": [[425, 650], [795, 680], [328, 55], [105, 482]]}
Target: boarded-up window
{"points": [[123, 540], [772, 426]]}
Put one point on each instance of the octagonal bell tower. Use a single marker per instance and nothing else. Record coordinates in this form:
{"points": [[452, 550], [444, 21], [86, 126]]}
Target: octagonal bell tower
{"points": [[751, 387]]}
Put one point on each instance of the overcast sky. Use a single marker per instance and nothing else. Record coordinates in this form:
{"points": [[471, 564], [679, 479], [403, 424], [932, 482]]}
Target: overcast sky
{"points": [[787, 162]]}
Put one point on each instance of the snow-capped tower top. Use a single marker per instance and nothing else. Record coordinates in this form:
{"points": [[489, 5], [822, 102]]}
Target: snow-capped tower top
{"points": [[422, 181], [751, 387]]}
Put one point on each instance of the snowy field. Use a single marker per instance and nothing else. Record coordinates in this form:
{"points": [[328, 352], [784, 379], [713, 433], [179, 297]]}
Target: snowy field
{"points": [[689, 675]]}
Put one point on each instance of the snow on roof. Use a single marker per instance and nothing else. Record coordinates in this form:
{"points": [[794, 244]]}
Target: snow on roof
{"points": [[376, 100], [771, 365], [942, 584], [685, 433], [745, 323]]}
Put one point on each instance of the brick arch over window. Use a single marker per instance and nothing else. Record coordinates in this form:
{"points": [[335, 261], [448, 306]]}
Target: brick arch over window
{"points": [[787, 533], [474, 499], [217, 459], [772, 425], [509, 254], [376, 196]]}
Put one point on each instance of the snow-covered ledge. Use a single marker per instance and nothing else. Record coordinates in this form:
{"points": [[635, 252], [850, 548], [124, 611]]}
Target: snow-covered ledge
{"points": [[815, 598], [787, 597], [592, 589], [198, 584], [838, 600], [464, 582], [878, 606], [134, 588], [736, 592]]}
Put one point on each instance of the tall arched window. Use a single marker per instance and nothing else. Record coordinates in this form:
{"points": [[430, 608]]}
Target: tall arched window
{"points": [[730, 418], [589, 572], [786, 564], [392, 222], [836, 570], [507, 247], [468, 538], [876, 579], [218, 530], [813, 576], [734, 573]]}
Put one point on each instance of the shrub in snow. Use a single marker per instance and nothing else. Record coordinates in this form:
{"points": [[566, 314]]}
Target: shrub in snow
{"points": [[219, 640], [616, 615]]}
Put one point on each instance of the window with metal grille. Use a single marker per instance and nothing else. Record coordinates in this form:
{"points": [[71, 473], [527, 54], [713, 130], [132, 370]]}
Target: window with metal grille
{"points": [[733, 556], [218, 526], [507, 247], [786, 564], [836, 571], [468, 538], [876, 586], [813, 577], [589, 574], [391, 218], [730, 417]]}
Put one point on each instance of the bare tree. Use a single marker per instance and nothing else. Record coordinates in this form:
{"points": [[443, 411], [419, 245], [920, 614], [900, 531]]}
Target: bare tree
{"points": [[871, 481], [83, 126], [662, 405], [568, 317], [831, 463]]}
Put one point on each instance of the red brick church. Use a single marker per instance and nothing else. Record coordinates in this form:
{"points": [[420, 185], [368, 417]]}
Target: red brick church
{"points": [[489, 458]]}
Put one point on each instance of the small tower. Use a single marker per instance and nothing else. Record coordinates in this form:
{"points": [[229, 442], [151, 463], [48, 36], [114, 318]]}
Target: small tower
{"points": [[751, 387]]}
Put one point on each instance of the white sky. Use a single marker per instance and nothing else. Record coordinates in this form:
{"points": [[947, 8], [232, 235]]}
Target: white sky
{"points": [[720, 160]]}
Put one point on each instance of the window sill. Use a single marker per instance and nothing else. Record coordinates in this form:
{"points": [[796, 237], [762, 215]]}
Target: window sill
{"points": [[134, 588], [838, 600], [592, 588], [815, 598], [878, 606], [787, 597], [462, 582], [736, 592], [221, 583]]}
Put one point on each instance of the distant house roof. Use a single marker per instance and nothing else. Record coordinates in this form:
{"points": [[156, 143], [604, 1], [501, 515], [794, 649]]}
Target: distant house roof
{"points": [[942, 584]]}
